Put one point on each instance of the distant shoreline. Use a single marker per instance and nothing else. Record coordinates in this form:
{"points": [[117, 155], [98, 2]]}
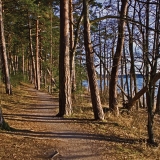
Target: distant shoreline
{"points": [[137, 76], [124, 76]]}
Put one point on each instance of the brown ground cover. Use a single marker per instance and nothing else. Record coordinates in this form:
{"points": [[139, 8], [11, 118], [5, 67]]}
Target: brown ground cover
{"points": [[38, 135]]}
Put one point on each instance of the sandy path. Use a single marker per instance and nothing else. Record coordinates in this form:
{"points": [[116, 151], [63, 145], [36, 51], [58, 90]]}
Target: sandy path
{"points": [[72, 141]]}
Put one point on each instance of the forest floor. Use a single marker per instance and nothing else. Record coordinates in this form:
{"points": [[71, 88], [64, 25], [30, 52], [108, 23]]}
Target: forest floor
{"points": [[37, 134]]}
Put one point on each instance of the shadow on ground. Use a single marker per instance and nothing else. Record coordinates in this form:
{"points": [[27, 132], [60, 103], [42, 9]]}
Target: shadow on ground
{"points": [[63, 134]]}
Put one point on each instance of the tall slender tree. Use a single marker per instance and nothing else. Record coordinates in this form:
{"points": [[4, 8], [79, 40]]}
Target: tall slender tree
{"points": [[133, 82], [116, 60], [151, 63], [65, 103], [33, 66], [4, 54], [37, 56], [96, 101], [74, 33], [72, 54]]}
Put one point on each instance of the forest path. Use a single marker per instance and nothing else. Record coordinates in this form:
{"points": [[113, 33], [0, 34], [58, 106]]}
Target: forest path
{"points": [[72, 143], [44, 134]]}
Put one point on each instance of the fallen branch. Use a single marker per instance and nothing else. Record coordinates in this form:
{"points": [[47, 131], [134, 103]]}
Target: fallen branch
{"points": [[56, 153], [132, 101]]}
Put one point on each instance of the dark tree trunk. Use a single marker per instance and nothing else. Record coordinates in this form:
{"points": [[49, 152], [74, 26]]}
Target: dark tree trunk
{"points": [[116, 60], [126, 73], [96, 102], [133, 83], [51, 45], [158, 100], [151, 86], [33, 68]]}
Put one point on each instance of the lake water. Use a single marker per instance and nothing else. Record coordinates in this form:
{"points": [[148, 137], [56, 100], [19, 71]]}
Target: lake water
{"points": [[138, 79]]}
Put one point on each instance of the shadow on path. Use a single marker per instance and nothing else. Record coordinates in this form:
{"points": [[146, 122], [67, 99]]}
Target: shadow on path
{"points": [[41, 114], [66, 134], [71, 135]]}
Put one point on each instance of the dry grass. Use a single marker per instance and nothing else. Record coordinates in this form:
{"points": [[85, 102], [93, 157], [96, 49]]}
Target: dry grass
{"points": [[131, 128], [14, 146], [124, 136]]}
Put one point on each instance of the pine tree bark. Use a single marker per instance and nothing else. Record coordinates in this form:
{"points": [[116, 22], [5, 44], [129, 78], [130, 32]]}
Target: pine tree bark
{"points": [[72, 52], [96, 102], [4, 54], [33, 69], [65, 103], [116, 60], [37, 56]]}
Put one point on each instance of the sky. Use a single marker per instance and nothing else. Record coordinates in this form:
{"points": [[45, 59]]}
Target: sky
{"points": [[101, 1]]}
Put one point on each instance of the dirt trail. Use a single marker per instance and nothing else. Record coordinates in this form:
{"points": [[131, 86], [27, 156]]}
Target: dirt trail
{"points": [[50, 134], [73, 142]]}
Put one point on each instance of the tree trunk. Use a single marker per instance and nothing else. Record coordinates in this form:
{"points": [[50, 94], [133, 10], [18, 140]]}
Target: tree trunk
{"points": [[51, 77], [116, 60], [151, 87], [105, 80], [142, 91], [100, 54], [96, 102], [133, 83], [65, 103], [51, 45], [72, 52], [157, 48], [23, 62], [4, 54], [37, 56], [122, 79], [126, 73], [73, 44], [33, 70], [158, 100]]}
